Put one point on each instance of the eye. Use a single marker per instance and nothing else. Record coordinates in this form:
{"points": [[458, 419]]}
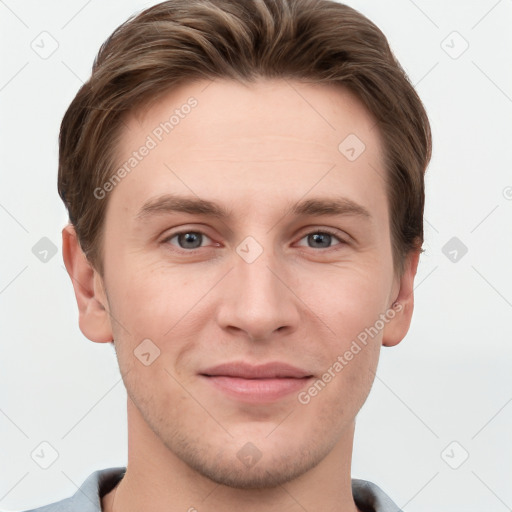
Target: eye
{"points": [[321, 239], [191, 240], [187, 239]]}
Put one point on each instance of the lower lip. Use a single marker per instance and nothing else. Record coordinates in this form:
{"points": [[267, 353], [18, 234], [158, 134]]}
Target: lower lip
{"points": [[257, 390]]}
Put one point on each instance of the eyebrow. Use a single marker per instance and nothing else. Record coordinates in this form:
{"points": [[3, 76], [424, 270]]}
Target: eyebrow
{"points": [[171, 203]]}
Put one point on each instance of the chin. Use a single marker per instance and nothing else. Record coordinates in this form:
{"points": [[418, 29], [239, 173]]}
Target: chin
{"points": [[242, 465]]}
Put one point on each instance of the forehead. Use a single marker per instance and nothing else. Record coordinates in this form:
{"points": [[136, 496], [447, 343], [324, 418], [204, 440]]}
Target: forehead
{"points": [[275, 138], [324, 114]]}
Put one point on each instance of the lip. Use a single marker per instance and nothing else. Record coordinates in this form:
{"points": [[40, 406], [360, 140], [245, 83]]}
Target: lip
{"points": [[256, 383], [245, 370]]}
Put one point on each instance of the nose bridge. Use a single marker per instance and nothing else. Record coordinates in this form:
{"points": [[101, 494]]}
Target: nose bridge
{"points": [[259, 301]]}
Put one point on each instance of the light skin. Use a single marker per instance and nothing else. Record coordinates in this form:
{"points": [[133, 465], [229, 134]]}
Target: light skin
{"points": [[257, 151]]}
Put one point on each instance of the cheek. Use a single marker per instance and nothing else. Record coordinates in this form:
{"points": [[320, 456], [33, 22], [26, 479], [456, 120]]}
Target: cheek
{"points": [[336, 397], [148, 297], [350, 308], [159, 304], [352, 300]]}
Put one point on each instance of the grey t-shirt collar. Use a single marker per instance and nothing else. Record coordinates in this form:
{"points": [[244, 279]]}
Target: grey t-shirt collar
{"points": [[368, 496]]}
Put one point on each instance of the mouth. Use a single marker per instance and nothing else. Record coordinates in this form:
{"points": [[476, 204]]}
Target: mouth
{"points": [[256, 383]]}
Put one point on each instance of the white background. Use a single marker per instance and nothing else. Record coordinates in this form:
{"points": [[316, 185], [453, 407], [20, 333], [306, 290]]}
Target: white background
{"points": [[449, 380]]}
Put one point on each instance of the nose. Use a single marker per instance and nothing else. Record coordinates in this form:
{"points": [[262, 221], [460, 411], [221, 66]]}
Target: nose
{"points": [[258, 299]]}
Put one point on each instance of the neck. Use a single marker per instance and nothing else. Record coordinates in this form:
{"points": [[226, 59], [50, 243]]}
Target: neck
{"points": [[156, 476]]}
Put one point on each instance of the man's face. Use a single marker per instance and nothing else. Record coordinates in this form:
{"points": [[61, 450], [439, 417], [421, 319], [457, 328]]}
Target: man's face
{"points": [[264, 284]]}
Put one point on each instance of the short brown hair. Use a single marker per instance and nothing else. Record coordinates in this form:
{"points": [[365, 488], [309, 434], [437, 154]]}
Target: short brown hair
{"points": [[177, 41]]}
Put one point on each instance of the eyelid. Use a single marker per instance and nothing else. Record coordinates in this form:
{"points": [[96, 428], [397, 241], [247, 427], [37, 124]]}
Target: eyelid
{"points": [[310, 231], [182, 232], [329, 231]]}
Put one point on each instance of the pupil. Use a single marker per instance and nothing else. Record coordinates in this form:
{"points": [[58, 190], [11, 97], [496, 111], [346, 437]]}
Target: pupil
{"points": [[321, 236], [191, 238]]}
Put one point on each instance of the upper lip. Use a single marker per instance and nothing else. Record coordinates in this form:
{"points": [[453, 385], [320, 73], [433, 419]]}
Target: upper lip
{"points": [[262, 371]]}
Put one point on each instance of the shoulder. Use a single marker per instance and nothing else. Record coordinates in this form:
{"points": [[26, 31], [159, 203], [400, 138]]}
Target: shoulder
{"points": [[371, 498], [87, 498]]}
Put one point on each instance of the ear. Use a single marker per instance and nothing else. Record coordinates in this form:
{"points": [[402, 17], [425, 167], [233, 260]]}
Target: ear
{"points": [[398, 326], [94, 320]]}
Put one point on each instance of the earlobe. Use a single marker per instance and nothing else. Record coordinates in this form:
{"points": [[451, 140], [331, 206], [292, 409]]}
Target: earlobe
{"points": [[94, 319], [400, 321]]}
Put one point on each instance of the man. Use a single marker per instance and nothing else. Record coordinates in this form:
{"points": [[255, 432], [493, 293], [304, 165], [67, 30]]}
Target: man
{"points": [[282, 141]]}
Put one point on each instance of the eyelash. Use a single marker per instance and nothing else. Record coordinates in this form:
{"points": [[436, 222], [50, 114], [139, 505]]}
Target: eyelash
{"points": [[314, 232]]}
